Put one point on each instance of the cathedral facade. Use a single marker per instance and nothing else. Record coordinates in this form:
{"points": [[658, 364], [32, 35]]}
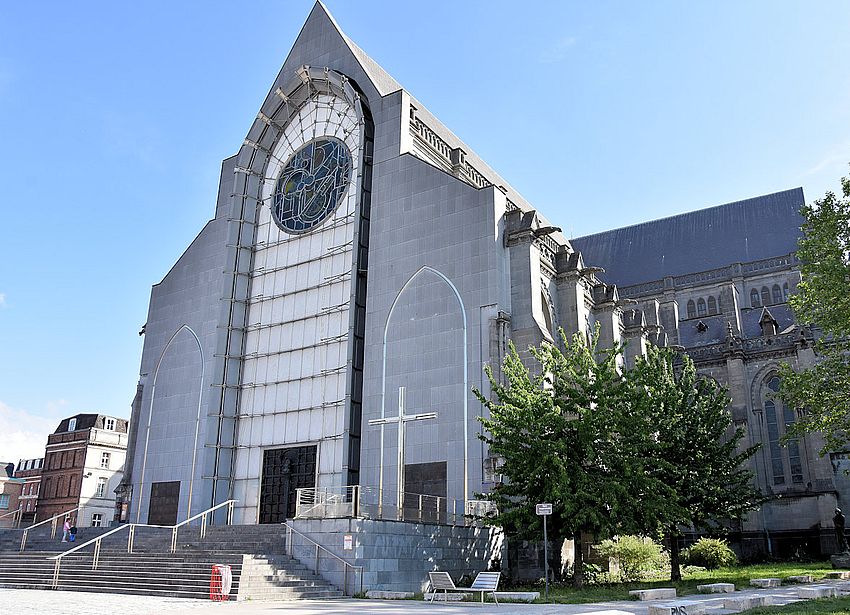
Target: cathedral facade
{"points": [[326, 327]]}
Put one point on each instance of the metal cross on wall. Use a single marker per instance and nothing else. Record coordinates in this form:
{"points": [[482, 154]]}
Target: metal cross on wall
{"points": [[399, 420]]}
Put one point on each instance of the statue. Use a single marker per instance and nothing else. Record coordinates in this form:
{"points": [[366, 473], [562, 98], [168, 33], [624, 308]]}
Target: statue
{"points": [[838, 521]]}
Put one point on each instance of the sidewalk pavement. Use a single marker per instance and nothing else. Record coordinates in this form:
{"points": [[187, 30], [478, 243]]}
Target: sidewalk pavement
{"points": [[44, 602]]}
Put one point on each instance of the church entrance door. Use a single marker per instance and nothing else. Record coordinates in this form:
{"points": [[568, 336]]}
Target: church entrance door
{"points": [[165, 498], [284, 471]]}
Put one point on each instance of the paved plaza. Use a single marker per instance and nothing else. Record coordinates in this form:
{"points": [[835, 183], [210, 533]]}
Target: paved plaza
{"points": [[32, 602]]}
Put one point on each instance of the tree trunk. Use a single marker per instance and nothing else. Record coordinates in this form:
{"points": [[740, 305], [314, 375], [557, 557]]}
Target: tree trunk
{"points": [[578, 561], [675, 565]]}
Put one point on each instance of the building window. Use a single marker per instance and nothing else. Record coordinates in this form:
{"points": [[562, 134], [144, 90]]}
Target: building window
{"points": [[4, 501], [785, 291], [692, 310], [72, 424], [754, 298], [110, 424], [701, 307], [104, 460], [787, 461], [96, 519], [712, 305], [101, 488], [777, 293], [765, 295]]}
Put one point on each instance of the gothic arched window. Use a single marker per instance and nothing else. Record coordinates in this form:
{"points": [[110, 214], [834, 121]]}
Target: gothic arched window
{"points": [[779, 419], [712, 305], [785, 291], [692, 309], [701, 307], [754, 298], [777, 293], [765, 295]]}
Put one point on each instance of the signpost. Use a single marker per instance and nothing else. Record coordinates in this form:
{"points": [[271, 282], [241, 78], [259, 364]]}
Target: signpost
{"points": [[544, 510]]}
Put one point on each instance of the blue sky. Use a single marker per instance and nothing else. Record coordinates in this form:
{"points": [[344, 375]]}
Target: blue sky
{"points": [[114, 119]]}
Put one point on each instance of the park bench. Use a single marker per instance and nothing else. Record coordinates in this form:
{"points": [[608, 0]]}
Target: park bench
{"points": [[485, 583]]}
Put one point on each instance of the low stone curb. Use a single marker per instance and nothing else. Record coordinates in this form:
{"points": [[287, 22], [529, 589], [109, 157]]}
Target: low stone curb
{"points": [[659, 593]]}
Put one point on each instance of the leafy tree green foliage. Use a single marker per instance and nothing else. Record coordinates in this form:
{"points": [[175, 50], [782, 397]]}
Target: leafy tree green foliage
{"points": [[823, 299], [711, 553], [635, 555], [698, 450], [569, 435]]}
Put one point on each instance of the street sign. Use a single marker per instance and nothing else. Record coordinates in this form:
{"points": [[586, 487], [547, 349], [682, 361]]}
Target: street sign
{"points": [[543, 509]]}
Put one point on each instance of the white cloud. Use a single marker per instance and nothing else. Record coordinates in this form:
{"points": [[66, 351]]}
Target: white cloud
{"points": [[23, 435], [2, 299], [558, 50], [837, 156]]}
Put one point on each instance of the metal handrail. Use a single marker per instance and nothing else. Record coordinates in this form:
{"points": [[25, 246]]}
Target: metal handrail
{"points": [[292, 530], [131, 527], [203, 517], [17, 514], [52, 527]]}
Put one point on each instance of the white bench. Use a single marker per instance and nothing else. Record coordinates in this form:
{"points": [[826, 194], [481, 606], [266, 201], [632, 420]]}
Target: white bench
{"points": [[485, 583]]}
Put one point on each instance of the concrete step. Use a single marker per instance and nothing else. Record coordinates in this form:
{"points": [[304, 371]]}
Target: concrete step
{"points": [[153, 570]]}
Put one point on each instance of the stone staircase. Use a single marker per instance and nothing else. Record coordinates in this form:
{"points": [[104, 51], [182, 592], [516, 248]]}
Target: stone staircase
{"points": [[255, 554]]}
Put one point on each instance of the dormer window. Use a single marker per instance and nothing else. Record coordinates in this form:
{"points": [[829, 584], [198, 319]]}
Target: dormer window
{"points": [[109, 424], [72, 424]]}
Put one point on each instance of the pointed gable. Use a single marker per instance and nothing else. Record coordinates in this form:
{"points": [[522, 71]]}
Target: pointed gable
{"points": [[321, 43]]}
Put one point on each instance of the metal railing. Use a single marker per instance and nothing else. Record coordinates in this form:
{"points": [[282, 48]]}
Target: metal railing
{"points": [[368, 503], [53, 523], [313, 551], [131, 531], [16, 516]]}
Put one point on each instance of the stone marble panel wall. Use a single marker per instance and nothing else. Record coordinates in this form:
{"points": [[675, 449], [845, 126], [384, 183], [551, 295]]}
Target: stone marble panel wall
{"points": [[397, 556]]}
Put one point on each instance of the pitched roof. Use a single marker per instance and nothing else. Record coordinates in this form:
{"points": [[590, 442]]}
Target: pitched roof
{"points": [[739, 232]]}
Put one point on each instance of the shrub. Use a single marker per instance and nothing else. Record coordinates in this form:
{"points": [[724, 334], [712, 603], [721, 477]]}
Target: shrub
{"points": [[709, 552], [636, 556]]}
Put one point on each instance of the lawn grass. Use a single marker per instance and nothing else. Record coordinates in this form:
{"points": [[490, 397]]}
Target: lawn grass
{"points": [[835, 606], [739, 575]]}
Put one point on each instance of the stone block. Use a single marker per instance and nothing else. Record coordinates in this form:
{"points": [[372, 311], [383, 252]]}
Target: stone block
{"points": [[770, 582], [518, 596], [446, 597], [684, 607], [745, 603], [659, 593], [800, 578], [716, 588], [817, 591], [842, 560], [385, 595], [837, 574]]}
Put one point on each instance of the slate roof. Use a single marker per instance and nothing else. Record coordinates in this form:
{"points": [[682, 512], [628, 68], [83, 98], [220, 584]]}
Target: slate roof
{"points": [[743, 231]]}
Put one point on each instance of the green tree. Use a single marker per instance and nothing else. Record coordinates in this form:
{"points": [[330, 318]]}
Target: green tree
{"points": [[698, 450], [568, 434], [823, 299]]}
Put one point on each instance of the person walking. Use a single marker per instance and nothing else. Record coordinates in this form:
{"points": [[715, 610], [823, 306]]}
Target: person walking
{"points": [[66, 529]]}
